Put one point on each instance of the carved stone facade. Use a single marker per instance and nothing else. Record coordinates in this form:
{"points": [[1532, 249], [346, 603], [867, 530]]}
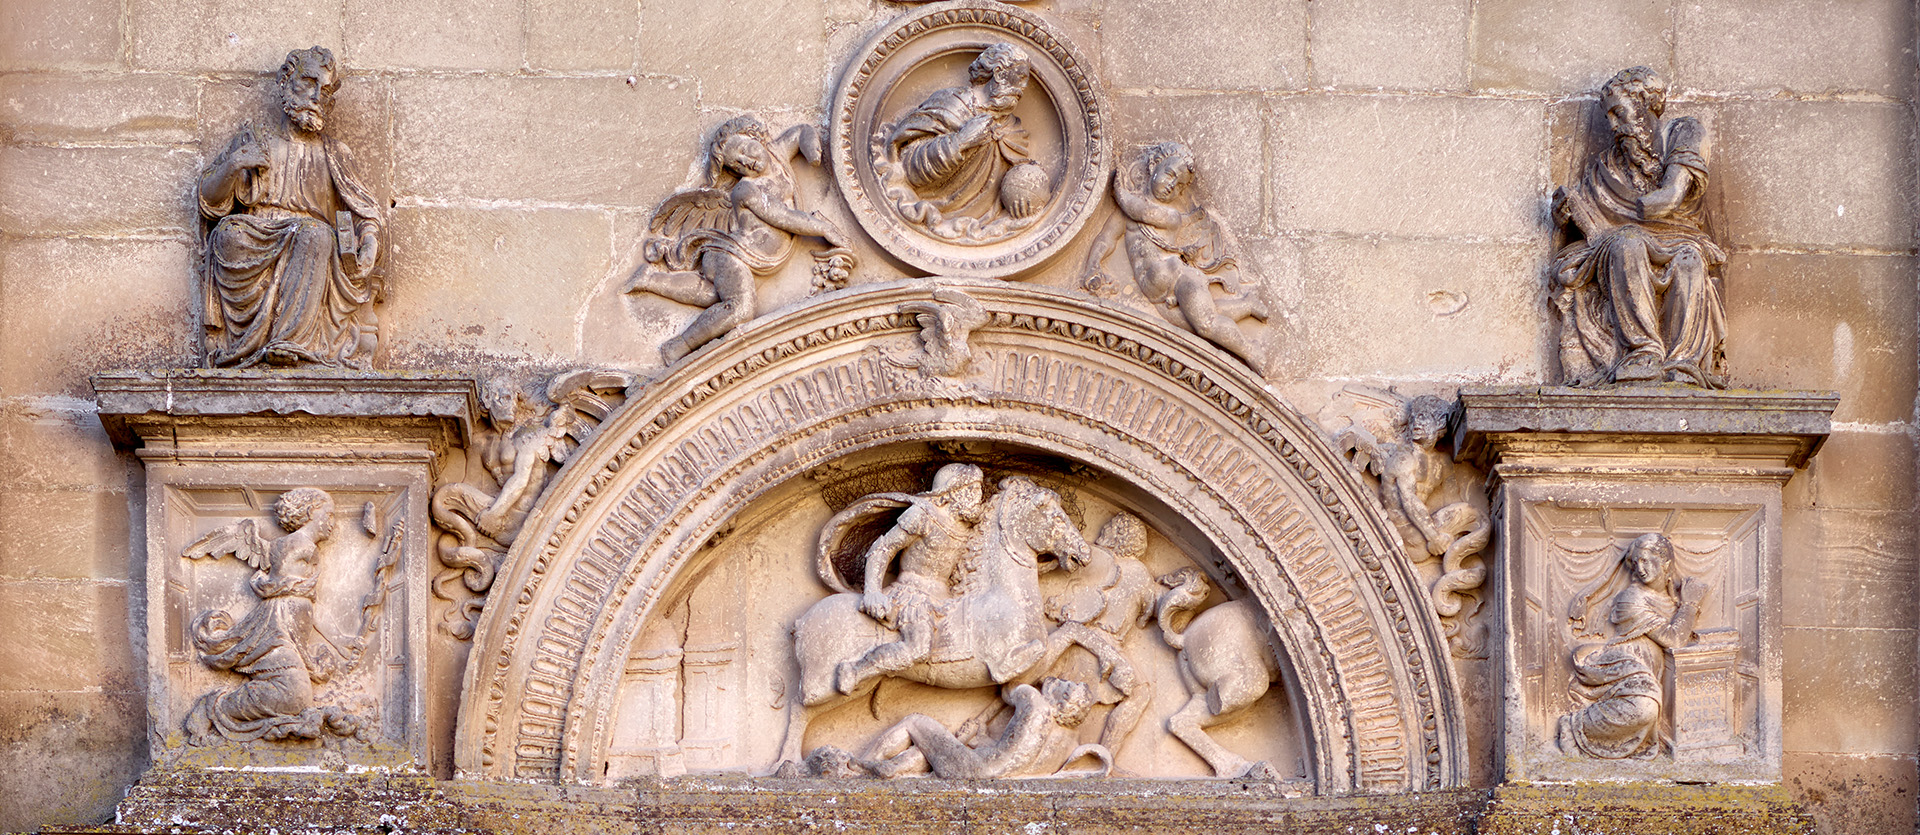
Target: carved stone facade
{"points": [[1002, 508]]}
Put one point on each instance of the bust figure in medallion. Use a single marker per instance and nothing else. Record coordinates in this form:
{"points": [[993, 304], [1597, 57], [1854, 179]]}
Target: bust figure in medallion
{"points": [[966, 157]]}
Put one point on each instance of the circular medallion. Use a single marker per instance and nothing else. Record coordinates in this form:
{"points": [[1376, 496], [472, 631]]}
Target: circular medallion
{"points": [[970, 139]]}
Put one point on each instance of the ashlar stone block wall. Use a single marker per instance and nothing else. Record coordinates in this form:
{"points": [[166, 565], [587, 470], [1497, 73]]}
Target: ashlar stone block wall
{"points": [[1387, 163]]}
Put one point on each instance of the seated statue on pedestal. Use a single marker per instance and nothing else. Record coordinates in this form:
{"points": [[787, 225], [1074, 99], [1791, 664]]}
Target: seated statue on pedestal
{"points": [[1636, 292], [290, 274]]}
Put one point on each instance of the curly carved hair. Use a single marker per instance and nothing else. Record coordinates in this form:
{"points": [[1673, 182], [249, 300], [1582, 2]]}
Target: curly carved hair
{"points": [[748, 126], [997, 57], [1168, 152], [320, 57], [1125, 535], [297, 507], [1640, 84]]}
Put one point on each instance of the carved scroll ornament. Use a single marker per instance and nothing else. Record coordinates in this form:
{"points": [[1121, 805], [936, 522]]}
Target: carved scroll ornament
{"points": [[519, 453], [1401, 449]]}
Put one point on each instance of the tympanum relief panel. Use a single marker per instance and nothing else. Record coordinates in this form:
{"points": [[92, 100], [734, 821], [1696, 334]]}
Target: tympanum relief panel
{"points": [[1001, 616]]}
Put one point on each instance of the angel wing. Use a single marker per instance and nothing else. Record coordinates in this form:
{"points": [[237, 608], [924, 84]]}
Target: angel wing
{"points": [[1364, 414], [694, 208], [945, 323], [240, 540], [594, 392], [841, 557], [1361, 448]]}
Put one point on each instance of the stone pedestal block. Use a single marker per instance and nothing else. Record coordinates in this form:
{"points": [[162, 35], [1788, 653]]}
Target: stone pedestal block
{"points": [[287, 558], [1639, 575]]}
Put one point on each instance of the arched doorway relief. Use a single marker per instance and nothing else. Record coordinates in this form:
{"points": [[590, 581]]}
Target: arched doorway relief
{"points": [[1060, 374]]}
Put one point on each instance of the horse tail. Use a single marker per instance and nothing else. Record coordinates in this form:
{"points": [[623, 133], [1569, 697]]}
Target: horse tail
{"points": [[1186, 589]]}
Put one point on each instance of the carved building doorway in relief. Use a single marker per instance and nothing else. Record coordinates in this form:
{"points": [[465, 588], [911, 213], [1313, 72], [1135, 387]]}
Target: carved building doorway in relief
{"points": [[680, 540]]}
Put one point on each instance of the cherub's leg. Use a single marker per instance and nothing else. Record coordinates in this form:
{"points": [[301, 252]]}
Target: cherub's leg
{"points": [[1197, 305], [1247, 302], [683, 286], [733, 286]]}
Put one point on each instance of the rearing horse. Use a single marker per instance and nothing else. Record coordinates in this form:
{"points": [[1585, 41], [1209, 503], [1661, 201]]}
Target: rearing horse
{"points": [[994, 629]]}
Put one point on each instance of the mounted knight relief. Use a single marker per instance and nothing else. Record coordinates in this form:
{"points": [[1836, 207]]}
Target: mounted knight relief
{"points": [[969, 629]]}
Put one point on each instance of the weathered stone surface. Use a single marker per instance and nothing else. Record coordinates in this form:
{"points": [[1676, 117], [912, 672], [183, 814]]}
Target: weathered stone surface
{"points": [[1871, 470], [248, 36], [1208, 45], [1457, 310], [1849, 568], [1798, 321], [1386, 165], [1602, 809], [582, 35], [576, 140], [435, 34], [1852, 794], [119, 302], [1816, 174], [63, 534], [267, 485], [64, 107], [60, 34], [131, 402], [79, 636], [1565, 46], [1228, 135], [1870, 671], [102, 738], [1391, 44], [722, 45], [55, 444], [95, 191], [541, 268], [1764, 47]]}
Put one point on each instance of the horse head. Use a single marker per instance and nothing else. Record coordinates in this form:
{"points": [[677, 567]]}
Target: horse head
{"points": [[1036, 518]]}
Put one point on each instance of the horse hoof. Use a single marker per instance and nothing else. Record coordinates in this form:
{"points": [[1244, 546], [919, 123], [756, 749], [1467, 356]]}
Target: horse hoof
{"points": [[833, 763], [1259, 771], [790, 770]]}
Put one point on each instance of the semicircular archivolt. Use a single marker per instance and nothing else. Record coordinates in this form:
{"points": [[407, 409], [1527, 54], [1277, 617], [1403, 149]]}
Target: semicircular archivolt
{"points": [[1050, 371]]}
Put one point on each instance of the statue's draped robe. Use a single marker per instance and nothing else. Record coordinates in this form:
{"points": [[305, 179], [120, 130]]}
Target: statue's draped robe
{"points": [[271, 648], [1623, 677], [1619, 309], [956, 192], [274, 278]]}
